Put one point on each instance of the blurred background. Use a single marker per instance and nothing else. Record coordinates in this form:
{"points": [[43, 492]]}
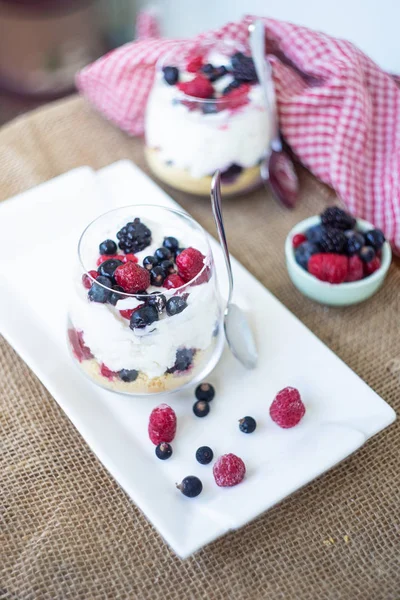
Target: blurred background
{"points": [[44, 42]]}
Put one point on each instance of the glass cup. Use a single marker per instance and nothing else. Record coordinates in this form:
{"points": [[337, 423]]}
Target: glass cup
{"points": [[153, 340], [189, 138]]}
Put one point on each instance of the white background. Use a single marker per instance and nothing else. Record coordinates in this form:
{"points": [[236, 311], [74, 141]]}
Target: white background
{"points": [[373, 25]]}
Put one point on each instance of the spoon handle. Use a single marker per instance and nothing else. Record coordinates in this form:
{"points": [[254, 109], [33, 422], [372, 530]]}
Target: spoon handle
{"points": [[217, 212]]}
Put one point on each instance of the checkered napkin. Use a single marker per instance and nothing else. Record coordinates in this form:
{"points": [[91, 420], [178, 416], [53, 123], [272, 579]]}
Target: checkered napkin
{"points": [[338, 111]]}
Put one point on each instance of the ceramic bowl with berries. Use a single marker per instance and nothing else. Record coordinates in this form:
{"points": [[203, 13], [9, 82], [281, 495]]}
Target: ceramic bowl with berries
{"points": [[145, 310], [336, 259], [207, 112]]}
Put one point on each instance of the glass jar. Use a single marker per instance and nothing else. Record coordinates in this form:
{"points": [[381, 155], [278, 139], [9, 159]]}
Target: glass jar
{"points": [[189, 138], [148, 341]]}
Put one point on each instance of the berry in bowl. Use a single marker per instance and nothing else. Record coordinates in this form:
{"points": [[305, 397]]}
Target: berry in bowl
{"points": [[336, 259], [207, 111], [145, 311]]}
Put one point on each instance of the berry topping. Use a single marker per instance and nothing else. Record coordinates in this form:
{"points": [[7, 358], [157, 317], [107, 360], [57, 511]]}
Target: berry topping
{"points": [[87, 281], [375, 238], [336, 217], [175, 305], [183, 360], [107, 268], [106, 372], [247, 424], [304, 252], [356, 270], [205, 391], [199, 87], [157, 276], [367, 253], [354, 242], [115, 296], [287, 409], [134, 237], [163, 253], [168, 266], [158, 301], [314, 233], [164, 451], [162, 424], [127, 257], [243, 67], [98, 293], [145, 315], [191, 486], [332, 240], [128, 375], [204, 455], [372, 266], [132, 277], [171, 75], [229, 470], [195, 63], [108, 247], [80, 351], [298, 239], [149, 262], [332, 268], [190, 262], [173, 281], [201, 408], [171, 243]]}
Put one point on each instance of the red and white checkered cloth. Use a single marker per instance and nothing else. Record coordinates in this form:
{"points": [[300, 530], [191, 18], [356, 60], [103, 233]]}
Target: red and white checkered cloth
{"points": [[338, 111]]}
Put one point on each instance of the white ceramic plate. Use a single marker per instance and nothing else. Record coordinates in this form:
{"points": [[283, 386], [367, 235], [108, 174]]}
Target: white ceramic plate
{"points": [[342, 411]]}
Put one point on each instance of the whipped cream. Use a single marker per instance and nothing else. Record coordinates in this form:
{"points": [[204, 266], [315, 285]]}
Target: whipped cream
{"points": [[151, 350], [202, 143]]}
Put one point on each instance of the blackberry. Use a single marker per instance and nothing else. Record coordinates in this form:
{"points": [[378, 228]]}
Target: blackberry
{"points": [[171, 75], [354, 242], [201, 408], [204, 455], [333, 240], [375, 238], [128, 375], [243, 67], [304, 252], [313, 234], [183, 360], [163, 451], [108, 247], [134, 237], [338, 218], [247, 424], [191, 486], [205, 391]]}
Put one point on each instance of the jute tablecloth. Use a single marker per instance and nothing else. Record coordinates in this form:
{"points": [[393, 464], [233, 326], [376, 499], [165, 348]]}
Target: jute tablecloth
{"points": [[68, 531]]}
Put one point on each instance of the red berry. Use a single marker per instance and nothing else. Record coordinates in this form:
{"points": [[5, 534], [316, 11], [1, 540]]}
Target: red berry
{"points": [[173, 281], [129, 312], [298, 239], [128, 257], [189, 262], [372, 266], [105, 257], [329, 267], [356, 270], [87, 281], [236, 97], [287, 409], [80, 351], [195, 63], [229, 470], [106, 372], [199, 87], [162, 424], [132, 277]]}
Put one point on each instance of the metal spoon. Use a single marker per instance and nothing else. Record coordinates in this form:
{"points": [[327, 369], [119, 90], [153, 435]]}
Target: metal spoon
{"points": [[277, 169], [237, 330]]}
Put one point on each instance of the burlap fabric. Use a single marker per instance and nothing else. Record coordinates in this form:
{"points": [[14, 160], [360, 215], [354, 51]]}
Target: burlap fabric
{"points": [[68, 531]]}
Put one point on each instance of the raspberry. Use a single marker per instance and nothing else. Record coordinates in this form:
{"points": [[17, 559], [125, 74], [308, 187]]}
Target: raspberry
{"points": [[356, 270], [80, 351], [199, 87], [87, 281], [162, 424], [106, 372], [104, 257], [298, 239], [173, 281], [236, 97], [132, 278], [336, 217], [195, 63], [328, 267], [287, 409], [127, 257], [127, 313], [229, 470], [189, 262], [372, 266]]}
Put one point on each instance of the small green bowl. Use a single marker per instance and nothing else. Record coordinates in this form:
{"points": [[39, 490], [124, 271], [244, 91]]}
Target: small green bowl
{"points": [[342, 294]]}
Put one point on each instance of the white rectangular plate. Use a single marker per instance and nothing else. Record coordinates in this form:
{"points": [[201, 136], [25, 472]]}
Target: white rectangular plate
{"points": [[342, 411]]}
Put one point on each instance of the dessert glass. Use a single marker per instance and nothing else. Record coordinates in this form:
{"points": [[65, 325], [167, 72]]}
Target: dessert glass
{"points": [[189, 138], [171, 352]]}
